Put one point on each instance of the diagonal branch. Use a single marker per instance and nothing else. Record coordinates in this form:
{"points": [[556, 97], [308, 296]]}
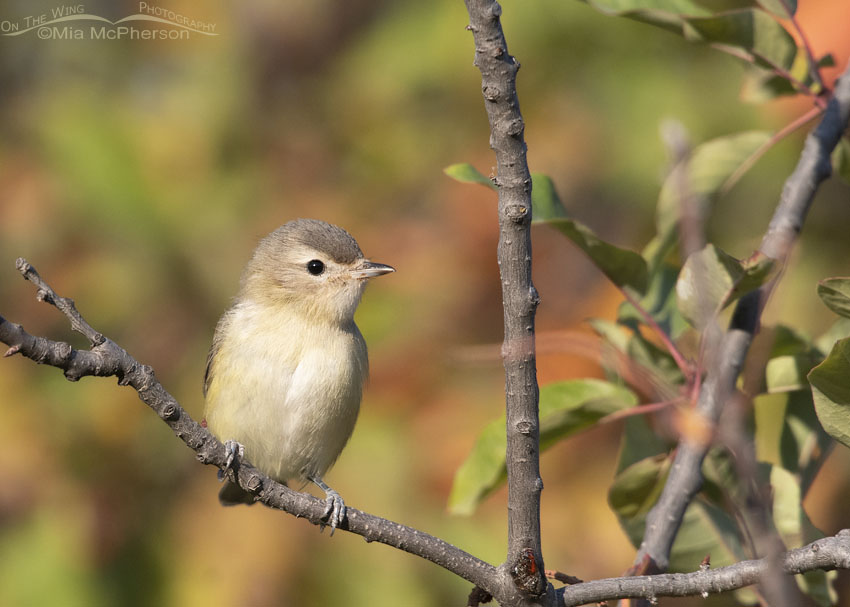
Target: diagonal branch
{"points": [[685, 478], [498, 85], [64, 304], [827, 553], [108, 359]]}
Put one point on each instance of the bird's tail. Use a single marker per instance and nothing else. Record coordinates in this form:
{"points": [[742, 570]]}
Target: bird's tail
{"points": [[232, 494]]}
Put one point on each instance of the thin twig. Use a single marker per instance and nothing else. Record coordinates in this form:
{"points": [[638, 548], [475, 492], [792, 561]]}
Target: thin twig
{"points": [[63, 304], [639, 410]]}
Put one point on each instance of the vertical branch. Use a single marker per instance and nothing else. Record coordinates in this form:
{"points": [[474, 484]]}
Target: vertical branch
{"points": [[498, 76], [685, 479]]}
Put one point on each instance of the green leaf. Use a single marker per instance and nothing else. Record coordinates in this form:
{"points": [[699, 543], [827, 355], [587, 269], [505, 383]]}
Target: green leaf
{"points": [[711, 279], [830, 383], [835, 293], [639, 442], [803, 443], [769, 417], [623, 267], [644, 361], [724, 485], [758, 269], [762, 85], [827, 60], [611, 332], [792, 355], [672, 7], [796, 529], [792, 523], [788, 341], [565, 408], [720, 478], [666, 14], [661, 367], [839, 330], [571, 406], [780, 8], [482, 471], [788, 373], [708, 168], [841, 159], [663, 243], [659, 302], [751, 30], [466, 173], [545, 202], [705, 529], [638, 486]]}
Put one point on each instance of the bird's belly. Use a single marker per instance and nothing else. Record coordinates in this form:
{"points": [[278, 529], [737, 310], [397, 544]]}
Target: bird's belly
{"points": [[293, 417]]}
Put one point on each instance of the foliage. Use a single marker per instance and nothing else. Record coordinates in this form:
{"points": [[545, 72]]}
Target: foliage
{"points": [[678, 302], [565, 409]]}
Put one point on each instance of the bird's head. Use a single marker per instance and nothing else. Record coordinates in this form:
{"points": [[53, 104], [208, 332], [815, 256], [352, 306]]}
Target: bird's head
{"points": [[312, 268]]}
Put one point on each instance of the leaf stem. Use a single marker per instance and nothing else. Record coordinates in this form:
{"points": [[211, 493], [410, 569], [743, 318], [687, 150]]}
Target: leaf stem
{"points": [[763, 148], [684, 365], [639, 410]]}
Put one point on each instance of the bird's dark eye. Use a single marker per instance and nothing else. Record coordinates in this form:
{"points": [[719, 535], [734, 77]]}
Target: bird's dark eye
{"points": [[315, 267]]}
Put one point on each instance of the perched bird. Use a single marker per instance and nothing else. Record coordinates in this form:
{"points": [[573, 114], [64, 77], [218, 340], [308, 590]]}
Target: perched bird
{"points": [[286, 369]]}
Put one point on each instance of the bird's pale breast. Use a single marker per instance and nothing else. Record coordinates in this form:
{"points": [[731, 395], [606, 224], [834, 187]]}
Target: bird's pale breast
{"points": [[289, 392]]}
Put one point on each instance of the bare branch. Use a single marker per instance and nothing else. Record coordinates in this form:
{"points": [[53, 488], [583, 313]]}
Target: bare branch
{"points": [[107, 358], [685, 477], [498, 85], [827, 553], [63, 304]]}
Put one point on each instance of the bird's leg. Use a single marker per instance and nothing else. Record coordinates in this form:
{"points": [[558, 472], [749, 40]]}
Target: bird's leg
{"points": [[335, 510], [235, 452]]}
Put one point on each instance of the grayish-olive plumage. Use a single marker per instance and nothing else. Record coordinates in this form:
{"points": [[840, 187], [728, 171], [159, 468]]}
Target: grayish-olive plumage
{"points": [[286, 369]]}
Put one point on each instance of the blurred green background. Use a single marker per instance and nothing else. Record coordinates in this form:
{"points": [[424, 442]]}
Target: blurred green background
{"points": [[139, 175]]}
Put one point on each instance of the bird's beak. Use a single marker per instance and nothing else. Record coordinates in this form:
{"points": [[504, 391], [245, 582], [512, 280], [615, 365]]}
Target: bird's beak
{"points": [[370, 269]]}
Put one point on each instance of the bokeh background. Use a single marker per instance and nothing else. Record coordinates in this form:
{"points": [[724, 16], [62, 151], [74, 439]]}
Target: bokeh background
{"points": [[137, 176]]}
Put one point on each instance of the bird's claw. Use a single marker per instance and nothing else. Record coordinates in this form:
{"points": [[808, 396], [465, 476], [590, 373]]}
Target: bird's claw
{"points": [[334, 510], [335, 507], [235, 452]]}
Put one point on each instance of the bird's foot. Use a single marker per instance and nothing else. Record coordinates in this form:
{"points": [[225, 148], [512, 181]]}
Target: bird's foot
{"points": [[335, 506], [235, 452], [335, 509]]}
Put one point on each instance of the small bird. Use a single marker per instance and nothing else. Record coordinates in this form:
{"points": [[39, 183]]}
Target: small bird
{"points": [[287, 366]]}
